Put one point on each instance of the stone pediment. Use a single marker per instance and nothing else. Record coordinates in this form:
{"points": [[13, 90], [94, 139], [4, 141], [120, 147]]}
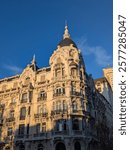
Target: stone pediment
{"points": [[27, 76]]}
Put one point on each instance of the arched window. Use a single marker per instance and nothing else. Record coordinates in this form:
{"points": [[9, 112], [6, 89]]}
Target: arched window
{"points": [[40, 147], [58, 90], [60, 146], [73, 72], [58, 72], [77, 146], [75, 123], [21, 147], [42, 95]]}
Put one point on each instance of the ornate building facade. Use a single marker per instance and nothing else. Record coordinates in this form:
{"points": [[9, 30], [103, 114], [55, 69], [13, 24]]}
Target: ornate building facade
{"points": [[54, 108]]}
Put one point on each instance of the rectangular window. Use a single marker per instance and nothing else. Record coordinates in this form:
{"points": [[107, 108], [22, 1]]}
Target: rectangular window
{"points": [[9, 131], [58, 73], [29, 109], [24, 97], [22, 113], [44, 127], [27, 128], [38, 128], [64, 106], [11, 114], [39, 109], [63, 72], [30, 96], [21, 129]]}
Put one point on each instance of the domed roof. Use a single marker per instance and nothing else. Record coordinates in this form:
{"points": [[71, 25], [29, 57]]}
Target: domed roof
{"points": [[66, 39], [66, 42]]}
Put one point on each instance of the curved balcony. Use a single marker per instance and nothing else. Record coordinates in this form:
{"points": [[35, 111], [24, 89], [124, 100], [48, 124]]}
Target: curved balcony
{"points": [[39, 115], [58, 94], [59, 133], [41, 98]]}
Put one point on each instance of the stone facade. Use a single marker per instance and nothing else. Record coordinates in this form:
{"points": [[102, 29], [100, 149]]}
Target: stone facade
{"points": [[108, 74], [54, 108]]}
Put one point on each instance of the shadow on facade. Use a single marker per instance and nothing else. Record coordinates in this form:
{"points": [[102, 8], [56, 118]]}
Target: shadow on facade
{"points": [[66, 134]]}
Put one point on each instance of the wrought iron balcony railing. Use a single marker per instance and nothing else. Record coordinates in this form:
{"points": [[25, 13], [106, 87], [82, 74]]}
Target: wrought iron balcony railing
{"points": [[74, 93], [24, 100], [41, 98], [45, 114], [22, 117], [58, 94], [10, 119], [64, 132], [56, 112], [42, 134]]}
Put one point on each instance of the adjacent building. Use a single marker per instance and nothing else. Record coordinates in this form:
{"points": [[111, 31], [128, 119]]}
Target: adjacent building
{"points": [[55, 108]]}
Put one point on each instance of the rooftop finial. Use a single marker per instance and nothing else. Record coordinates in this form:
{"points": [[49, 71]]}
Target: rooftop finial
{"points": [[34, 59], [66, 32]]}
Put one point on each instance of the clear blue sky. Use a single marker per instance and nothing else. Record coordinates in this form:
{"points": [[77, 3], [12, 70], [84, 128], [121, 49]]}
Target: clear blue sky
{"points": [[30, 27]]}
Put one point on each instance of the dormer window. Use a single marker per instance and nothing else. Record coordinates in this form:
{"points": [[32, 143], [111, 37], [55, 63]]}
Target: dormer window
{"points": [[58, 72], [42, 78], [27, 80]]}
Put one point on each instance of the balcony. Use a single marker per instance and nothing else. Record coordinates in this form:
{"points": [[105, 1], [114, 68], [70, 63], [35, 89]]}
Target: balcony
{"points": [[11, 119], [42, 134], [58, 94], [36, 116], [8, 138], [59, 133], [24, 100], [41, 98], [12, 104], [20, 136], [56, 112], [74, 93], [22, 117], [77, 132]]}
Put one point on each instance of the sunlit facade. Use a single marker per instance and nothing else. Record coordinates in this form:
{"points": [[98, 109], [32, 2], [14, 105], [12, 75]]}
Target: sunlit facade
{"points": [[54, 108]]}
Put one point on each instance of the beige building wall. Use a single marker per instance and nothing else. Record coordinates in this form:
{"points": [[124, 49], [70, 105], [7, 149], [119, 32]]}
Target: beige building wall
{"points": [[49, 106], [108, 74]]}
